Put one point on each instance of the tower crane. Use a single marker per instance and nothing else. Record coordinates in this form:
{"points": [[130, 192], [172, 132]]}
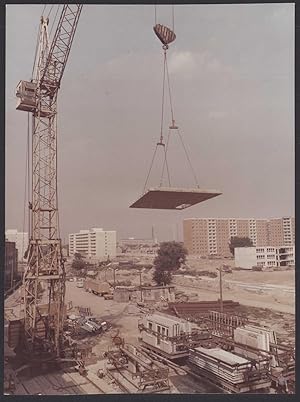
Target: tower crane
{"points": [[44, 277]]}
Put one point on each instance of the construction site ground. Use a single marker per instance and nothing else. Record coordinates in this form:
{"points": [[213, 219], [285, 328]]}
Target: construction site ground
{"points": [[269, 306]]}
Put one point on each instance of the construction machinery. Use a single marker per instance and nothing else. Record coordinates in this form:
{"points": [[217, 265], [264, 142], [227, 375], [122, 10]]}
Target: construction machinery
{"points": [[44, 277]]}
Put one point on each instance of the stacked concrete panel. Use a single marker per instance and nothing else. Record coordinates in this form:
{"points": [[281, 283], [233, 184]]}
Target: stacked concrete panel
{"points": [[254, 338], [222, 364]]}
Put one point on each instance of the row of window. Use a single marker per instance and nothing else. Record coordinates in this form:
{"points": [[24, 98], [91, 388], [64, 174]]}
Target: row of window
{"points": [[160, 329]]}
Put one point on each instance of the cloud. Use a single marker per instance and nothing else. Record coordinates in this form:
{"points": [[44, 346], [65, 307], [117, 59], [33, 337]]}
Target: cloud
{"points": [[191, 62], [215, 114], [182, 62]]}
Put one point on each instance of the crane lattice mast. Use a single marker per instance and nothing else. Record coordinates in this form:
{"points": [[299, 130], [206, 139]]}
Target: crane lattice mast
{"points": [[44, 278]]}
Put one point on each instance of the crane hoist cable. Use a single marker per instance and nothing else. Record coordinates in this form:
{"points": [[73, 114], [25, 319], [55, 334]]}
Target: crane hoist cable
{"points": [[54, 20], [161, 138], [166, 36], [155, 16]]}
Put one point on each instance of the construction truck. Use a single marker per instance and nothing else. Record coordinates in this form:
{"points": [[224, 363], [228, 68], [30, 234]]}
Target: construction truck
{"points": [[96, 287]]}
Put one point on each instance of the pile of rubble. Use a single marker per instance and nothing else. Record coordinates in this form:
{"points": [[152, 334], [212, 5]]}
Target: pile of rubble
{"points": [[78, 327]]}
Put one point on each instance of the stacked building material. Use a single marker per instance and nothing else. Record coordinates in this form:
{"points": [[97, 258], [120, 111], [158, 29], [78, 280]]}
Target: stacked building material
{"points": [[233, 373], [203, 308], [254, 338], [222, 364]]}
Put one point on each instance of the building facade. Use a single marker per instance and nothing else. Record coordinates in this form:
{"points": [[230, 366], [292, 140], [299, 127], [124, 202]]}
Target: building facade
{"points": [[211, 236], [20, 239], [264, 257], [94, 243], [11, 264]]}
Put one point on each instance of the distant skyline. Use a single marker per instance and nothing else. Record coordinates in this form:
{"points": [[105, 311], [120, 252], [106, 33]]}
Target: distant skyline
{"points": [[232, 78]]}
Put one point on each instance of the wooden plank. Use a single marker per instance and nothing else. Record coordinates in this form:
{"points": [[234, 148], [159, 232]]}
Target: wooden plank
{"points": [[83, 383], [65, 384], [47, 387], [20, 389], [32, 386]]}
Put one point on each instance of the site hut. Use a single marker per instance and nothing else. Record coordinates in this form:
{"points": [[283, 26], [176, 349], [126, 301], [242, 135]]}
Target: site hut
{"points": [[124, 294], [168, 335], [158, 293]]}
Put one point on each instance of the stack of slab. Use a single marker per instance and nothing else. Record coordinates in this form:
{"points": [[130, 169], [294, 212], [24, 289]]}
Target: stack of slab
{"points": [[221, 363], [227, 370], [255, 339]]}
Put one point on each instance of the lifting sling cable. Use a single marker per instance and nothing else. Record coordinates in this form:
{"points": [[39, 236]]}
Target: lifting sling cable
{"points": [[161, 139], [166, 36], [173, 126], [165, 164]]}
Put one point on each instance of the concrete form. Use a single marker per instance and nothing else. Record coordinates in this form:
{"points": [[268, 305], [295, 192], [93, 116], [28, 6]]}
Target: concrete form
{"points": [[135, 372], [254, 337], [173, 198]]}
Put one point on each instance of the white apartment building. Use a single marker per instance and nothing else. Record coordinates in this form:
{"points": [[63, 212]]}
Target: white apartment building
{"points": [[265, 257], [20, 238], [94, 243], [288, 225]]}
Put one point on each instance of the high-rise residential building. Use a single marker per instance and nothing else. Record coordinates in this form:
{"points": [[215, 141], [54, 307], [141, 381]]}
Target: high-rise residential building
{"points": [[11, 264], [211, 236], [21, 240], [94, 243]]}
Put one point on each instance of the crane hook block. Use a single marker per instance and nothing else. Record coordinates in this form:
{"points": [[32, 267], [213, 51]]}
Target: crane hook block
{"points": [[164, 34]]}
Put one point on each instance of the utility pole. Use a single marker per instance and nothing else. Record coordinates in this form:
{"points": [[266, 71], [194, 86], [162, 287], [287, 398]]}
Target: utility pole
{"points": [[141, 285], [221, 288], [114, 269]]}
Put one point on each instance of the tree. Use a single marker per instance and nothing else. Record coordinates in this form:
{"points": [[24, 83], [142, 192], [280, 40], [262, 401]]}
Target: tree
{"points": [[162, 277], [236, 241], [78, 262], [170, 256]]}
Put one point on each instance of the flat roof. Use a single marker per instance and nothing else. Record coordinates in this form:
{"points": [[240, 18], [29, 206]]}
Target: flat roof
{"points": [[173, 198]]}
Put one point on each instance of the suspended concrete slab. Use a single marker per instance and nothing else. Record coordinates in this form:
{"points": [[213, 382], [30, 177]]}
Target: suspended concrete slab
{"points": [[173, 198]]}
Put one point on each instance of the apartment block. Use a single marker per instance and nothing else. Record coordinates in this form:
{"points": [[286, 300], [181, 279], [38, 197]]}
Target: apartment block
{"points": [[21, 240], [94, 243], [211, 236], [10, 265], [248, 257]]}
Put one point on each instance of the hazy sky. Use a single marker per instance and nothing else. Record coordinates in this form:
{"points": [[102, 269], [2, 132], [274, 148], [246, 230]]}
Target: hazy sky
{"points": [[232, 76]]}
